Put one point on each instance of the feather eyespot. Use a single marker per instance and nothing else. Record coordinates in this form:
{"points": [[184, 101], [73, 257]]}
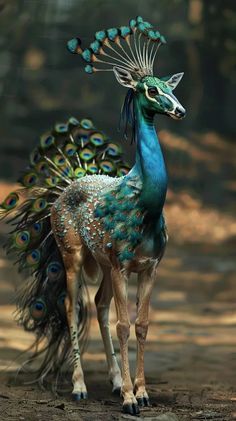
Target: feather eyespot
{"points": [[61, 128], [113, 149], [87, 124], [35, 157], [46, 141], [38, 309], [107, 166], [39, 204], [54, 271], [36, 229], [79, 172], [66, 171], [22, 239], [11, 201], [92, 168], [33, 258], [86, 154], [42, 168], [59, 160], [97, 139], [52, 181], [30, 179], [123, 170], [73, 121], [70, 149]]}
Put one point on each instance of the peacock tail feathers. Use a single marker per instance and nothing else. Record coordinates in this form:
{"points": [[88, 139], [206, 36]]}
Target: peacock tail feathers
{"points": [[70, 151], [66, 153]]}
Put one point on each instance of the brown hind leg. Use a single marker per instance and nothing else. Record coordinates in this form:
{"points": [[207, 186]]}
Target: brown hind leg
{"points": [[73, 263], [102, 301], [73, 255]]}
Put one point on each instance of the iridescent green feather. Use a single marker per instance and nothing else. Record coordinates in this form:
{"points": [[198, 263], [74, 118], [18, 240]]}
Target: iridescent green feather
{"points": [[122, 216]]}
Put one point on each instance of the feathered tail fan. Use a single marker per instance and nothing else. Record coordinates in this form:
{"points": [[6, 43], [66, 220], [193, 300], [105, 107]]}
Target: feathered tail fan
{"points": [[68, 152]]}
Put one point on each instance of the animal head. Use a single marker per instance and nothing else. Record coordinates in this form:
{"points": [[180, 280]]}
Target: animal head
{"points": [[155, 94], [129, 52]]}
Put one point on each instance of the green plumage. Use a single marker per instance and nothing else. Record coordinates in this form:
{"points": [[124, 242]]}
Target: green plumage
{"points": [[123, 216]]}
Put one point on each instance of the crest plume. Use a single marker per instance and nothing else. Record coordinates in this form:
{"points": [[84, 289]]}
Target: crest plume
{"points": [[132, 48]]}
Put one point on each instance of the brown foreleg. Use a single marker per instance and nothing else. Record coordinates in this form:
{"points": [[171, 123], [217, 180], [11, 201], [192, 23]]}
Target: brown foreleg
{"points": [[145, 284], [102, 301], [119, 284]]}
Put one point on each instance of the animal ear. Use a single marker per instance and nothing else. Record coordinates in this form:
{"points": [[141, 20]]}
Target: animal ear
{"points": [[124, 77], [173, 81]]}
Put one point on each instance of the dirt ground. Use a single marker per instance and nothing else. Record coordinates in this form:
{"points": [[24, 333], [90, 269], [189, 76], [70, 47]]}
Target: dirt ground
{"points": [[190, 353]]}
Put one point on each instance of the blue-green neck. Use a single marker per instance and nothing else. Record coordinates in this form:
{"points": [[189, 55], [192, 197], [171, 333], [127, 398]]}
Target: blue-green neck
{"points": [[149, 165]]}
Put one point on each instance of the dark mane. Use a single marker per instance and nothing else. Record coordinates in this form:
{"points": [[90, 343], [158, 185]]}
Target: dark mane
{"points": [[127, 116]]}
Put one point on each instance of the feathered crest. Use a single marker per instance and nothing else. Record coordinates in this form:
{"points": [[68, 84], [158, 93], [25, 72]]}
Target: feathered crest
{"points": [[132, 48]]}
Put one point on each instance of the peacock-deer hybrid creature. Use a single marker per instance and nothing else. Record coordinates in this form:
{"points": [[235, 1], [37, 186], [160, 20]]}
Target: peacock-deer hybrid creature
{"points": [[83, 214]]}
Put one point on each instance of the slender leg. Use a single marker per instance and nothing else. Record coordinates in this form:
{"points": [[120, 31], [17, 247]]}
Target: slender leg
{"points": [[145, 284], [102, 301], [119, 284], [72, 262]]}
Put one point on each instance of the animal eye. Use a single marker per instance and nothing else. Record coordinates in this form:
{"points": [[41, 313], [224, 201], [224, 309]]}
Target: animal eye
{"points": [[152, 92]]}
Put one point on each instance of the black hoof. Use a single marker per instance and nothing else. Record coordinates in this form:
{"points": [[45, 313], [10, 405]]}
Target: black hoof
{"points": [[116, 391], [79, 396], [143, 401], [131, 409]]}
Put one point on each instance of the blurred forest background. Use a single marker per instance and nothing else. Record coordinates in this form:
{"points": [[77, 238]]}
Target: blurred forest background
{"points": [[191, 356], [41, 83]]}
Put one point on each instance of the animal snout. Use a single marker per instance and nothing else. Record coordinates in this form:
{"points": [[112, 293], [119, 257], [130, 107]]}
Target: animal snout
{"points": [[180, 112]]}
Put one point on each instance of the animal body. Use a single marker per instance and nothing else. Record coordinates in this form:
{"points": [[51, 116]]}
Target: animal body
{"points": [[87, 216]]}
